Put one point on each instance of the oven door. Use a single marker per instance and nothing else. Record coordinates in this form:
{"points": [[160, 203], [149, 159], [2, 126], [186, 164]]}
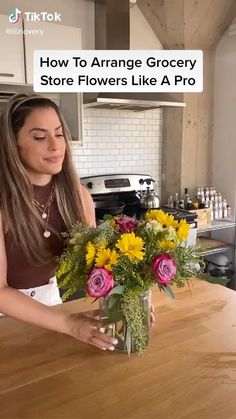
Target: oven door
{"points": [[126, 203]]}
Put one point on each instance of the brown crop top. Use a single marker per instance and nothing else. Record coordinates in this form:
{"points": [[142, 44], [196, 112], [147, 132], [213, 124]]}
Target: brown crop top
{"points": [[20, 274]]}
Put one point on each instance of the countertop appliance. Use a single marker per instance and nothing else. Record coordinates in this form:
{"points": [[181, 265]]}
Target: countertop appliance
{"points": [[123, 191]]}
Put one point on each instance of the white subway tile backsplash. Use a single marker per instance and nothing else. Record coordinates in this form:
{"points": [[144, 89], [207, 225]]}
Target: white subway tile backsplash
{"points": [[120, 142], [83, 158]]}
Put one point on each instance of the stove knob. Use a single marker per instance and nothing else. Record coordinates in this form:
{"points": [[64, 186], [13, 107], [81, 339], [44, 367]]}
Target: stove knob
{"points": [[141, 181], [90, 185]]}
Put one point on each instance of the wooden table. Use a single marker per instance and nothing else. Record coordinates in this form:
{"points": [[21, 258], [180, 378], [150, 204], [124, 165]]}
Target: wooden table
{"points": [[187, 372]]}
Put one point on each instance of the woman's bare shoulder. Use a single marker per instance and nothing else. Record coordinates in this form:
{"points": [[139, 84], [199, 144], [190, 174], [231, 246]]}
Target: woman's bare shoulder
{"points": [[86, 195]]}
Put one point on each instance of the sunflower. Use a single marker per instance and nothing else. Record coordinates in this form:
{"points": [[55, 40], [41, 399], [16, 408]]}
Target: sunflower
{"points": [[131, 246], [171, 222], [90, 255], [106, 258], [182, 230], [157, 215], [164, 219]]}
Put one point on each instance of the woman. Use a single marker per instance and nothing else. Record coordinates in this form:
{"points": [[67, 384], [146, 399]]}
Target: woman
{"points": [[40, 198]]}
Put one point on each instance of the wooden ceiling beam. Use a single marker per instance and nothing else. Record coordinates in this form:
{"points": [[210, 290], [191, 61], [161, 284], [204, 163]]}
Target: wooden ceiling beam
{"points": [[188, 24]]}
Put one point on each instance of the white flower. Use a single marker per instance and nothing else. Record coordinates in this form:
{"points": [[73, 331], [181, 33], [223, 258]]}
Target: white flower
{"points": [[154, 225], [171, 234]]}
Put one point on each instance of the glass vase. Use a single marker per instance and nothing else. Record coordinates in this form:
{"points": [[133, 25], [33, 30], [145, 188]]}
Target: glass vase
{"points": [[116, 325]]}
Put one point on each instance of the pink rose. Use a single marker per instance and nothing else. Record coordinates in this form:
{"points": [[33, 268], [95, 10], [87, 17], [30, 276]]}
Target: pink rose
{"points": [[126, 224], [164, 268], [100, 282]]}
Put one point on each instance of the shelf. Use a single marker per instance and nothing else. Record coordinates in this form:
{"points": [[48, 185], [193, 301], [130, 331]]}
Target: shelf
{"points": [[217, 225], [214, 251], [209, 246]]}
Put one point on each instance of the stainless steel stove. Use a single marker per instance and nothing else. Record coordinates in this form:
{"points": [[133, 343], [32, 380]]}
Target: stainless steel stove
{"points": [[120, 193]]}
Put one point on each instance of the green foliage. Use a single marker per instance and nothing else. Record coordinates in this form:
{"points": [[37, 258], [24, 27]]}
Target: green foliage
{"points": [[133, 314], [189, 264]]}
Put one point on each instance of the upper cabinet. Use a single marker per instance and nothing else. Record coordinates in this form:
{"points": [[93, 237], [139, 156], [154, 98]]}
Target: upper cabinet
{"points": [[16, 63], [11, 51], [16, 49], [54, 36]]}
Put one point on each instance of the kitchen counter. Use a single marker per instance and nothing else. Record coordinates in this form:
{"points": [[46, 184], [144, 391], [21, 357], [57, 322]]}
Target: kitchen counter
{"points": [[187, 372]]}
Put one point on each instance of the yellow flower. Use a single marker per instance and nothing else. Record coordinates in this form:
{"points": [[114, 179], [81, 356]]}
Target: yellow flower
{"points": [[106, 258], [157, 215], [167, 245], [131, 246], [90, 255], [182, 230], [164, 219], [174, 224]]}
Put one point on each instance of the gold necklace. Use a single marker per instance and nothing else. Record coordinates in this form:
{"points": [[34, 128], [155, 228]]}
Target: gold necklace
{"points": [[45, 211]]}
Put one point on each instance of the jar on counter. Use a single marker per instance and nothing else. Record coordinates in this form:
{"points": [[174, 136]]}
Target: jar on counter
{"points": [[216, 211], [229, 212], [211, 208], [176, 200], [207, 193], [224, 209], [220, 210], [170, 201]]}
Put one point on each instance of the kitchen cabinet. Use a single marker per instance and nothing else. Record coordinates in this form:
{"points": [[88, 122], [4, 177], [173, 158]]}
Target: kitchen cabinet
{"points": [[54, 37], [17, 49], [16, 65], [11, 51]]}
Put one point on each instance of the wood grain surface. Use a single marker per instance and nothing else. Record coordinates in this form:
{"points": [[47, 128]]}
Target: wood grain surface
{"points": [[187, 372]]}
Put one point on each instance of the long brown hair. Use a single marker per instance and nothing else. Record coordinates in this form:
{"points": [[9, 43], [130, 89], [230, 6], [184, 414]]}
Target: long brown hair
{"points": [[19, 213]]}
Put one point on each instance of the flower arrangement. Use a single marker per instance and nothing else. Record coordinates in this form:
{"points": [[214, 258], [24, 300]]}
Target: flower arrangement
{"points": [[123, 258]]}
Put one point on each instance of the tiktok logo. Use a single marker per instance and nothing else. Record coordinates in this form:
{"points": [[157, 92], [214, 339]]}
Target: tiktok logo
{"points": [[14, 17]]}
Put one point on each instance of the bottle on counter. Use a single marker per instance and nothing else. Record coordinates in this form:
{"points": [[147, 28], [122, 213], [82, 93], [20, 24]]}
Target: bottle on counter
{"points": [[181, 204], [216, 211], [207, 203], [186, 198], [195, 203], [220, 210], [176, 200], [189, 204], [211, 193], [202, 203], [207, 192], [170, 201], [229, 212], [224, 209], [198, 196], [212, 211]]}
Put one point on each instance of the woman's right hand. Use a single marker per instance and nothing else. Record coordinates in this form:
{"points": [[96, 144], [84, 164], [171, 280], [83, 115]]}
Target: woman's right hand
{"points": [[86, 328]]}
